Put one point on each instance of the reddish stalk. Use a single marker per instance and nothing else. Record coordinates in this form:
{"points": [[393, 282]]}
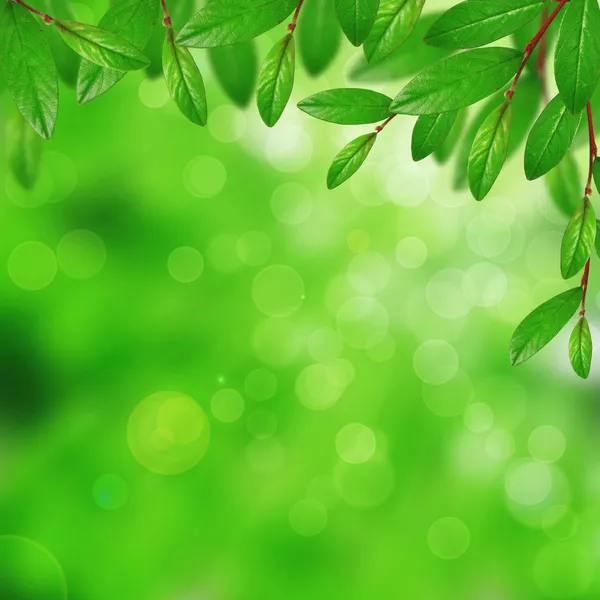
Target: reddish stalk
{"points": [[531, 46], [46, 18], [166, 16], [381, 127], [292, 26]]}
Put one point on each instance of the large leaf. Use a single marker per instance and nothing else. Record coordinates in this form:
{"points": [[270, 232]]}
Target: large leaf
{"points": [[429, 133], [489, 151], [184, 80], [458, 81], [577, 57], [350, 159], [543, 324], [578, 239], [102, 47], [319, 35], [24, 151], [550, 138], [444, 151], [394, 23], [564, 185], [356, 18], [28, 68], [347, 106], [134, 20], [479, 22], [276, 80], [236, 69], [408, 60], [231, 21], [580, 348]]}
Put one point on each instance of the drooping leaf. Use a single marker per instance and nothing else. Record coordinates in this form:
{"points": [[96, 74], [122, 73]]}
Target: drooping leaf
{"points": [[543, 324], [479, 22], [596, 173], [231, 21], [28, 68], [134, 21], [597, 240], [458, 81], [24, 152], [236, 69], [67, 63], [356, 18], [580, 348], [349, 159], [444, 151], [578, 239], [564, 185], [347, 106], [525, 108], [577, 57], [550, 138], [102, 47], [413, 56], [184, 80], [276, 80], [488, 152], [394, 23], [429, 133], [319, 35]]}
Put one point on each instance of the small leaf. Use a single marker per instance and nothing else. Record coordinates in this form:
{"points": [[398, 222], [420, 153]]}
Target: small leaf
{"points": [[543, 324], [578, 239], [597, 239], [184, 80], [458, 81], [356, 18], [444, 151], [28, 68], [577, 56], [563, 185], [347, 106], [319, 35], [25, 151], [276, 80], [479, 22], [429, 133], [596, 173], [580, 348], [236, 68], [102, 47], [550, 138], [350, 159], [489, 151], [231, 21], [134, 21]]}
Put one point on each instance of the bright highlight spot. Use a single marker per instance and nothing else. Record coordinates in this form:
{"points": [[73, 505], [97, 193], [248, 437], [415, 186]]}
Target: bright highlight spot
{"points": [[355, 443], [81, 254], [528, 482], [411, 252], [185, 264], [204, 177], [547, 444], [278, 291], [32, 266], [448, 538], [227, 405], [435, 362]]}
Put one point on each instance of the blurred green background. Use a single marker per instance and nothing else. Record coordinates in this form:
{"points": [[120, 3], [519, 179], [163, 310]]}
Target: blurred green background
{"points": [[221, 381]]}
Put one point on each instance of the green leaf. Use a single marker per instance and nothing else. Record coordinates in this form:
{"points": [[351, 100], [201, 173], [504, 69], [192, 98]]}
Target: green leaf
{"points": [[458, 81], [347, 106], [525, 109], [444, 151], [134, 21], [356, 18], [231, 21], [577, 57], [236, 68], [408, 60], [28, 68], [479, 22], [597, 240], [25, 151], [394, 23], [550, 138], [488, 152], [184, 80], [429, 133], [580, 348], [102, 47], [276, 80], [319, 35], [596, 173], [578, 239], [350, 159], [563, 185], [543, 324]]}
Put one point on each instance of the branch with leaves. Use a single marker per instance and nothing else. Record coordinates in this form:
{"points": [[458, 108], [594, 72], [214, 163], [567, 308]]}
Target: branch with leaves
{"points": [[451, 61]]}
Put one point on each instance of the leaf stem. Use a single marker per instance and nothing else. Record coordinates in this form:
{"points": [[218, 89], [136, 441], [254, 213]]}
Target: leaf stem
{"points": [[46, 18], [381, 127], [166, 16], [292, 26], [531, 46]]}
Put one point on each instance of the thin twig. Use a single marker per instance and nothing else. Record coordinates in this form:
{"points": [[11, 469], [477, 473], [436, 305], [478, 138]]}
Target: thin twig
{"points": [[380, 128], [46, 18], [166, 16], [292, 26]]}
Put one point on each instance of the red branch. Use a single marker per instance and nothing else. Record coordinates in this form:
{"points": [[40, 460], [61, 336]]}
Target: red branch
{"points": [[46, 18], [292, 26], [166, 16]]}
